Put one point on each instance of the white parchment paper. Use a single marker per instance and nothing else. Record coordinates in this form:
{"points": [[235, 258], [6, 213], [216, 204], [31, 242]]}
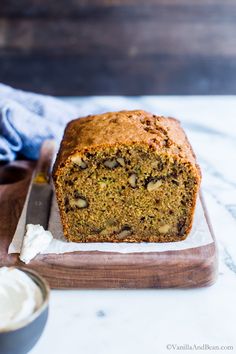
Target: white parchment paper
{"points": [[199, 236]]}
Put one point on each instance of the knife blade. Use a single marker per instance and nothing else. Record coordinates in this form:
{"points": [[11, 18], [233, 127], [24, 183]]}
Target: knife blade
{"points": [[39, 203]]}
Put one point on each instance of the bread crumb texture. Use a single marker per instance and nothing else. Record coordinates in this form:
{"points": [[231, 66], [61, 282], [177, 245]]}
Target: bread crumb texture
{"points": [[127, 176]]}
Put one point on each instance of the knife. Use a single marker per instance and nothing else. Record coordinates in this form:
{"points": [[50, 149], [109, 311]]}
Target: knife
{"points": [[40, 197]]}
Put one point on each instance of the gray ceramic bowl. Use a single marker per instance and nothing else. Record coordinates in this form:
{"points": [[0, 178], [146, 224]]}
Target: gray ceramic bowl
{"points": [[21, 340]]}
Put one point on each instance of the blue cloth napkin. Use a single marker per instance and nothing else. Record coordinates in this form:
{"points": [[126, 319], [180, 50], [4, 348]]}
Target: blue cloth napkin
{"points": [[27, 119]]}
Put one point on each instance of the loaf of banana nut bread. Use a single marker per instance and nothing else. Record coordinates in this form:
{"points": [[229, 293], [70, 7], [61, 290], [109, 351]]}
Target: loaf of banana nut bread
{"points": [[126, 176]]}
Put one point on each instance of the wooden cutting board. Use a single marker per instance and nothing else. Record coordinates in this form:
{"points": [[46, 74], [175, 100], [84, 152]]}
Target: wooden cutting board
{"points": [[194, 267]]}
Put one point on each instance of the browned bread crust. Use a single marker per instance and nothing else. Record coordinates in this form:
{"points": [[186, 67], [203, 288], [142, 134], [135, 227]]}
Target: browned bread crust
{"points": [[118, 134]]}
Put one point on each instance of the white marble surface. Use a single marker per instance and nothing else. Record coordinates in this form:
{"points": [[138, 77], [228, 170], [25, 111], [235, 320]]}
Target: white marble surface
{"points": [[146, 321]]}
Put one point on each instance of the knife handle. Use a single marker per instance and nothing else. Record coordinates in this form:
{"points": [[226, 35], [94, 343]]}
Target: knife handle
{"points": [[43, 166]]}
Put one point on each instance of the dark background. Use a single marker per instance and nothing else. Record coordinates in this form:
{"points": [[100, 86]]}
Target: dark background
{"points": [[133, 47]]}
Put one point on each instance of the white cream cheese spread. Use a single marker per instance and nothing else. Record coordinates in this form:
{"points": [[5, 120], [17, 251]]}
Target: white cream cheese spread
{"points": [[36, 240], [19, 297]]}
